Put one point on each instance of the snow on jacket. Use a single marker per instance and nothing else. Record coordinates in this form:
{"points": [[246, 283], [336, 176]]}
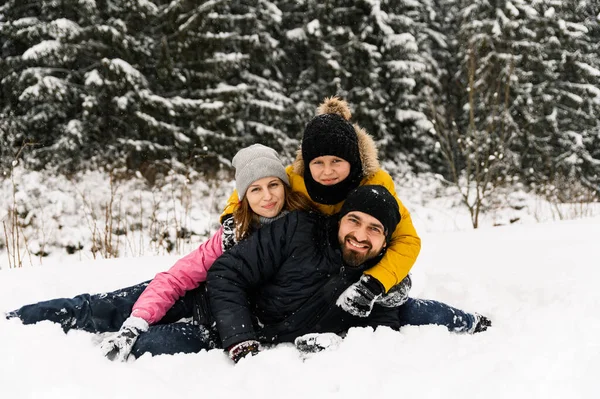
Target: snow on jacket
{"points": [[283, 282], [185, 275], [405, 245]]}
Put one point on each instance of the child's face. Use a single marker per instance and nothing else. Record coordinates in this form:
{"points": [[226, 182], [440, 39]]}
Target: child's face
{"points": [[328, 169]]}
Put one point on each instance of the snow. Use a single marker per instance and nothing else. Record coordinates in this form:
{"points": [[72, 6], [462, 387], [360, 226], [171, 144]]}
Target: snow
{"points": [[25, 22], [550, 12], [334, 64], [576, 137], [512, 9], [380, 17], [537, 283], [148, 6], [296, 34], [595, 72], [496, 29], [218, 35], [63, 28], [314, 27], [202, 132], [403, 115], [273, 11], [169, 103], [572, 29], [153, 122], [49, 85], [403, 40], [573, 96], [227, 57], [409, 67], [74, 128], [267, 105], [214, 105], [223, 88], [93, 78], [42, 49], [122, 67], [122, 102]]}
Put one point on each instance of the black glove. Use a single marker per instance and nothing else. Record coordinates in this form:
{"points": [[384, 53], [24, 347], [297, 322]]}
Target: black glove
{"points": [[359, 298], [481, 323], [242, 349], [11, 315], [397, 295]]}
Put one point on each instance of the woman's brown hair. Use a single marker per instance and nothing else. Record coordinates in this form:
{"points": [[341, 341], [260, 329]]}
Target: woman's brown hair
{"points": [[245, 218]]}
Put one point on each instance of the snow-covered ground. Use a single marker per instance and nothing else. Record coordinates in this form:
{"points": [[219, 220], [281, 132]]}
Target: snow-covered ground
{"points": [[537, 282], [535, 276]]}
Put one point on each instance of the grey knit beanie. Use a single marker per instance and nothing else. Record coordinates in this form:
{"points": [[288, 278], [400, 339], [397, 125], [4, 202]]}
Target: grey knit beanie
{"points": [[255, 162]]}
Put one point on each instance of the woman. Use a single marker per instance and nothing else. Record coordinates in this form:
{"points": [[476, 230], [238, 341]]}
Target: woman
{"points": [[336, 157], [156, 307]]}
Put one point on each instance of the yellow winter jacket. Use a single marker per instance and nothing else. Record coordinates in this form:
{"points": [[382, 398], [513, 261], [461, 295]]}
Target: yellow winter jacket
{"points": [[405, 244], [404, 247]]}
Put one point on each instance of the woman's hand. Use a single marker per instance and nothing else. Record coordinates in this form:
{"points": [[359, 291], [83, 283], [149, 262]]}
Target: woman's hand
{"points": [[118, 346]]}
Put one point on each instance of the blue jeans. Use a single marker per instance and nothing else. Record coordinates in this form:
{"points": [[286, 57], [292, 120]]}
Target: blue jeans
{"points": [[99, 313], [169, 339], [420, 312], [106, 312]]}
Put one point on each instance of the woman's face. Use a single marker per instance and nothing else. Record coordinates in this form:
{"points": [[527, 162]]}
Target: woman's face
{"points": [[266, 196], [329, 169]]}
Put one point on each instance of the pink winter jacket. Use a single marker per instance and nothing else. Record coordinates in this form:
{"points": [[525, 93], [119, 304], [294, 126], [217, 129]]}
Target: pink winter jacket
{"points": [[185, 275]]}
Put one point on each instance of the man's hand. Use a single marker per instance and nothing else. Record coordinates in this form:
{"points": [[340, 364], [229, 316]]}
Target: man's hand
{"points": [[118, 345], [359, 298], [315, 342], [243, 349]]}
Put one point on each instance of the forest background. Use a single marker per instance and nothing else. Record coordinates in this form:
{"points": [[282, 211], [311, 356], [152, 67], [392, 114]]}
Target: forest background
{"points": [[487, 96]]}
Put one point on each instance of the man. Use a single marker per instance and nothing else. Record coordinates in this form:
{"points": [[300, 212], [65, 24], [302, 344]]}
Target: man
{"points": [[283, 282]]}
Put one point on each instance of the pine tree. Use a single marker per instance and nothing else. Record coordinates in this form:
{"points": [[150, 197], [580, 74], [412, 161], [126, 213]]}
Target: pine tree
{"points": [[372, 54], [414, 50], [212, 92], [58, 58], [556, 96], [142, 84], [476, 128], [577, 100], [39, 92]]}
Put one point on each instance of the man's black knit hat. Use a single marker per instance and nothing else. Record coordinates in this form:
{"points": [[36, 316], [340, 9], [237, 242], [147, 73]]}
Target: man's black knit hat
{"points": [[376, 201], [331, 134]]}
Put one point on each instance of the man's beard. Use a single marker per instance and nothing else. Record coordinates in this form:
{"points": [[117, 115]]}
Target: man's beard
{"points": [[352, 257]]}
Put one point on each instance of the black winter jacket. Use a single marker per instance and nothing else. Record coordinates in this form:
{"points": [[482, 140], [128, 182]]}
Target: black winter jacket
{"points": [[283, 282]]}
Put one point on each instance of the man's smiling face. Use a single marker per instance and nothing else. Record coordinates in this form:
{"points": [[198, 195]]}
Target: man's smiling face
{"points": [[361, 237]]}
